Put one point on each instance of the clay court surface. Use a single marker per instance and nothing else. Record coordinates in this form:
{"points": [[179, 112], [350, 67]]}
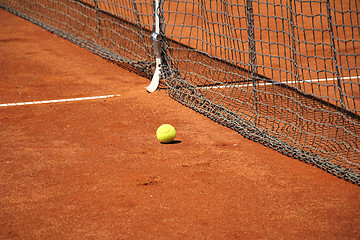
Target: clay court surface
{"points": [[93, 169]]}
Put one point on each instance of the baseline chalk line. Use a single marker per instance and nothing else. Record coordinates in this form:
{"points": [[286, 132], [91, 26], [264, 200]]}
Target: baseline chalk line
{"points": [[275, 83], [58, 100]]}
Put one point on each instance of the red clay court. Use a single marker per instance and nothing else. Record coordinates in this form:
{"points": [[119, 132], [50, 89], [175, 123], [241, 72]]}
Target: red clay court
{"points": [[80, 159]]}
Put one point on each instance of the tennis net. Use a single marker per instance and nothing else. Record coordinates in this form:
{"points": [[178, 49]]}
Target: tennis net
{"points": [[284, 73]]}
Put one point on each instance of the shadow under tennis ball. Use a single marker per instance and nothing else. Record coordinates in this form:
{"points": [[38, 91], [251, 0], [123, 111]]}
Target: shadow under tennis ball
{"points": [[173, 142]]}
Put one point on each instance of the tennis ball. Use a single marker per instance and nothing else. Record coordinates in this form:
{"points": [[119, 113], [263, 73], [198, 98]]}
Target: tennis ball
{"points": [[166, 133]]}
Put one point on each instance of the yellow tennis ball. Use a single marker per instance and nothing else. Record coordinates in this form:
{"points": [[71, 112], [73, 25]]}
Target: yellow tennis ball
{"points": [[166, 133]]}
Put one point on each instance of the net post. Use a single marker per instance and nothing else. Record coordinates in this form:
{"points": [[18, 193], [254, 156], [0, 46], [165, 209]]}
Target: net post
{"points": [[156, 49], [252, 61], [334, 56], [96, 3]]}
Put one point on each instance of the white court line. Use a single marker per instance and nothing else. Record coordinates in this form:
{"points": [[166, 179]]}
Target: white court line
{"points": [[272, 83], [58, 100]]}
